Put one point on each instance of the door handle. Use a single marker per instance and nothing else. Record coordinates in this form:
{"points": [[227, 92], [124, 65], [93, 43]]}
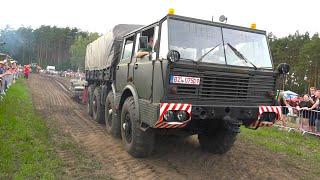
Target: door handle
{"points": [[136, 66], [117, 67]]}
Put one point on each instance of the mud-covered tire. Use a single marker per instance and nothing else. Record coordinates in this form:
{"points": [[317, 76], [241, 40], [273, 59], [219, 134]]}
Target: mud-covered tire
{"points": [[90, 97], [219, 142], [97, 107], [111, 119], [142, 142]]}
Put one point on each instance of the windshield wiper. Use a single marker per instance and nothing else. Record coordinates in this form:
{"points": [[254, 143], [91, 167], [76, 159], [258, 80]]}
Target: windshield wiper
{"points": [[241, 56], [200, 59]]}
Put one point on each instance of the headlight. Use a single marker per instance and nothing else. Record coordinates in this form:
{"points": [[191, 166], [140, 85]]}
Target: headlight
{"points": [[169, 116], [176, 116], [173, 56], [182, 115]]}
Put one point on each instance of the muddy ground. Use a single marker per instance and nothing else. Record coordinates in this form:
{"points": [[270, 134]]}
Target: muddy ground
{"points": [[174, 158]]}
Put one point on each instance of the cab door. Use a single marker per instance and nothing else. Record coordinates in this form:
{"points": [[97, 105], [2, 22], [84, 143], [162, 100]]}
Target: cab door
{"points": [[122, 69], [143, 67]]}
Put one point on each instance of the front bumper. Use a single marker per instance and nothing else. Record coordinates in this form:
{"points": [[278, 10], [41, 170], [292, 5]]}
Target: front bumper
{"points": [[246, 115]]}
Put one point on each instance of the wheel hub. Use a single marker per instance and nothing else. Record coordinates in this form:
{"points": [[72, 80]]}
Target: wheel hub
{"points": [[94, 103], [127, 128], [109, 114]]}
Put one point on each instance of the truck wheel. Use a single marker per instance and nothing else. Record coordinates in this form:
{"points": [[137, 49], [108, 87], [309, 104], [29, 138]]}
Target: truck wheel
{"points": [[218, 143], [112, 121], [136, 142], [97, 108], [89, 103]]}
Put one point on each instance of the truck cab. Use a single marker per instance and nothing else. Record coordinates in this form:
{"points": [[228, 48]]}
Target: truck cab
{"points": [[183, 75]]}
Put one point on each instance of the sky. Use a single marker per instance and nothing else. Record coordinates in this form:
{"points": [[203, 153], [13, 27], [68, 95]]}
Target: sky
{"points": [[281, 17]]}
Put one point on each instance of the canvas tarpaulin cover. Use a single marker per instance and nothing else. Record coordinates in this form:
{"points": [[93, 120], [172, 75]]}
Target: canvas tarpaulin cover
{"points": [[106, 50]]}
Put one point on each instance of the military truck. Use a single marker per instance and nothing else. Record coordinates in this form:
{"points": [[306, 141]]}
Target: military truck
{"points": [[194, 77]]}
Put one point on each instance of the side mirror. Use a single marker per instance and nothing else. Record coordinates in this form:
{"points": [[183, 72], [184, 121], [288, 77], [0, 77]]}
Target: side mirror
{"points": [[283, 68], [143, 42]]}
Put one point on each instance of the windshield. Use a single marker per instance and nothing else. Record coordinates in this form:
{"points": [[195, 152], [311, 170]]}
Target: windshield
{"points": [[193, 41], [200, 42], [252, 46]]}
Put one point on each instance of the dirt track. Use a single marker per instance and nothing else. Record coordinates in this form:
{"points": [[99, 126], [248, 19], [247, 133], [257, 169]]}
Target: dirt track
{"points": [[174, 158]]}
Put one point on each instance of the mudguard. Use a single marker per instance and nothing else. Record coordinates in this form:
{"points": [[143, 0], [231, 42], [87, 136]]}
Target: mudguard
{"points": [[130, 87]]}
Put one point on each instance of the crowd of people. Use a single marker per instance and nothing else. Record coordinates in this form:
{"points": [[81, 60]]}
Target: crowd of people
{"points": [[307, 108], [9, 72], [7, 68]]}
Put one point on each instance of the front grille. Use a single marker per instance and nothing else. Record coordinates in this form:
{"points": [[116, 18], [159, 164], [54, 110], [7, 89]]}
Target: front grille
{"points": [[221, 87], [225, 88], [186, 90]]}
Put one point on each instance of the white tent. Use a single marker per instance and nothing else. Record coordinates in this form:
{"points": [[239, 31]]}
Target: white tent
{"points": [[290, 95]]}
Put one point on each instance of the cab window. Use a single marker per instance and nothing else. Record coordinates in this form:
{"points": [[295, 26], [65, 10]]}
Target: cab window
{"points": [[128, 47], [151, 33]]}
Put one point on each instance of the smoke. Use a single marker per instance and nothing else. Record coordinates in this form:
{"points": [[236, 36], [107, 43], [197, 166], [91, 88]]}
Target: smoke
{"points": [[12, 40], [16, 43]]}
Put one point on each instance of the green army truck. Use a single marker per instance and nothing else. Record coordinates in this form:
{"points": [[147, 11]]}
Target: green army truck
{"points": [[181, 76]]}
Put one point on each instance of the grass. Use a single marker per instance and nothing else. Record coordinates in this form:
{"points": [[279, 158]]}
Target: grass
{"points": [[35, 147], [292, 144], [26, 151]]}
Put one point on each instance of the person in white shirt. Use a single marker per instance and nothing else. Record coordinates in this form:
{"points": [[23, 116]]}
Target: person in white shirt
{"points": [[315, 114]]}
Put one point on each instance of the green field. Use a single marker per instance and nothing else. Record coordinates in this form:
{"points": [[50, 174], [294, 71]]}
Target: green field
{"points": [[25, 147], [281, 141]]}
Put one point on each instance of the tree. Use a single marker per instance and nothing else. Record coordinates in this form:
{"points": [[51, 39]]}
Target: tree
{"points": [[289, 50], [45, 45], [78, 49], [309, 62]]}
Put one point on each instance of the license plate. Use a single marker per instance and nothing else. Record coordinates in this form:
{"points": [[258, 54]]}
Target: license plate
{"points": [[184, 80]]}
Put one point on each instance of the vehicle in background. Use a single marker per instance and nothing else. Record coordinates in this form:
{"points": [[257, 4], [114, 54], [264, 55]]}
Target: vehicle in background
{"points": [[77, 86], [62, 74], [51, 70], [181, 76]]}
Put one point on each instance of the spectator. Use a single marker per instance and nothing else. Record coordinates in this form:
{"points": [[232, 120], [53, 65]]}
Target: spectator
{"points": [[285, 105], [312, 94], [14, 71], [26, 71], [2, 70], [314, 114], [303, 110]]}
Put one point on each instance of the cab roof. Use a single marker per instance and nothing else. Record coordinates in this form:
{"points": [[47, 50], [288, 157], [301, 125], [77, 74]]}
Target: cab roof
{"points": [[218, 24], [200, 21]]}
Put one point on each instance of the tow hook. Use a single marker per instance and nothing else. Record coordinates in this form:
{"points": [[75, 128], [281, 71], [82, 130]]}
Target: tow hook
{"points": [[232, 124]]}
